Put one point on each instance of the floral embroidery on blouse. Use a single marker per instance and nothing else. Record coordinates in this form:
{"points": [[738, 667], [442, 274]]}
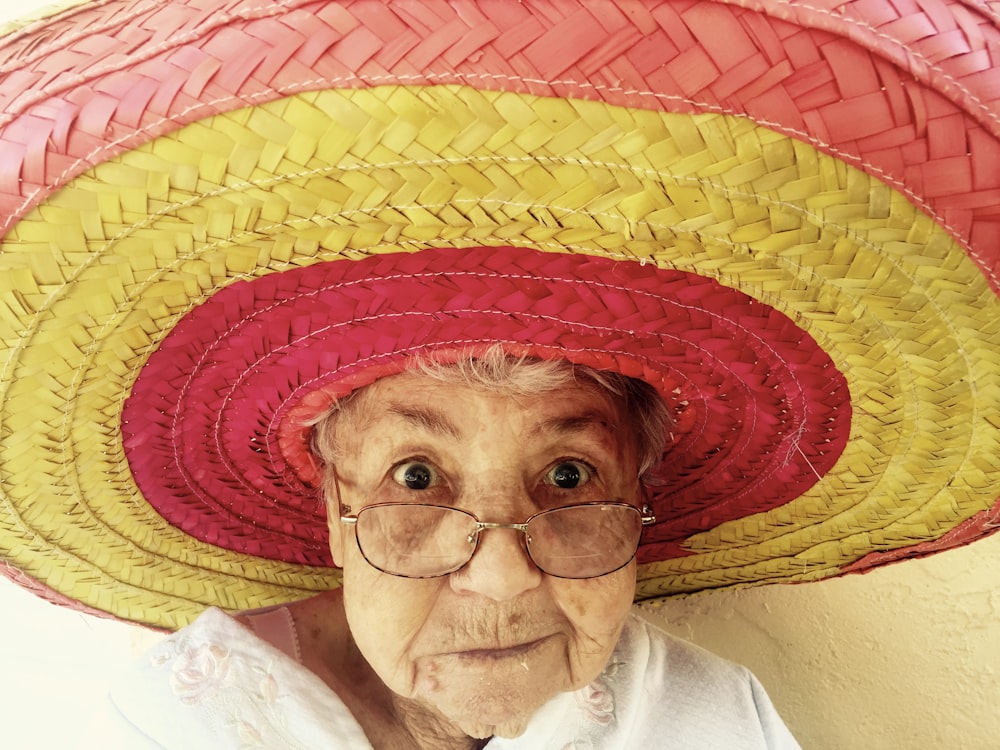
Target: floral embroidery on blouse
{"points": [[243, 693], [597, 702], [198, 670]]}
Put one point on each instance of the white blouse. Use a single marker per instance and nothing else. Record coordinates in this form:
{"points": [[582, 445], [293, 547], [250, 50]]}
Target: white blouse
{"points": [[216, 685]]}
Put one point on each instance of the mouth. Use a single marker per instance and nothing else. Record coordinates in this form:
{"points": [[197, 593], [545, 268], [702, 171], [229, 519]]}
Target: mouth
{"points": [[497, 654]]}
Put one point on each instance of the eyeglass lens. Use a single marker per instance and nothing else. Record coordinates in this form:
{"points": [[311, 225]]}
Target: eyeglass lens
{"points": [[424, 541]]}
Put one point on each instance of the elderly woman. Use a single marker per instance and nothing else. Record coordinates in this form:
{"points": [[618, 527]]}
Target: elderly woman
{"points": [[485, 511]]}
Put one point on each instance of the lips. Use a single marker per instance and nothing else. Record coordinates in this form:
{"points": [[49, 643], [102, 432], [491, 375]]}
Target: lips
{"points": [[497, 654]]}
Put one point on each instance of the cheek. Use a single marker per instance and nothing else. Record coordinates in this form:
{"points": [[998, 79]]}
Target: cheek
{"points": [[596, 610], [386, 614]]}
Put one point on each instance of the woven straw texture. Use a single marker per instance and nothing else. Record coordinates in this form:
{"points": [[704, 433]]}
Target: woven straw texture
{"points": [[825, 181]]}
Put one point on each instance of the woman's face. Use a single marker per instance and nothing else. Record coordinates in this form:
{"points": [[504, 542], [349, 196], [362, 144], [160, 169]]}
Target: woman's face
{"points": [[484, 647]]}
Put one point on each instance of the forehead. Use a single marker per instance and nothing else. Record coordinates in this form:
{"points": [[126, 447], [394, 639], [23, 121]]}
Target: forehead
{"points": [[431, 403]]}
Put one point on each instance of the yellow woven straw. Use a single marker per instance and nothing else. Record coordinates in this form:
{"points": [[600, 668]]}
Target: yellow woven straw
{"points": [[98, 274]]}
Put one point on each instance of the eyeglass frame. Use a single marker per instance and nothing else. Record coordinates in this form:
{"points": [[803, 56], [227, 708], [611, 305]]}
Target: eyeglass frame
{"points": [[646, 517]]}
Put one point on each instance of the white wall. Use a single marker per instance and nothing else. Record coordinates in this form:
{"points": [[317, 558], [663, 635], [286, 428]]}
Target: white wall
{"points": [[56, 664], [907, 656]]}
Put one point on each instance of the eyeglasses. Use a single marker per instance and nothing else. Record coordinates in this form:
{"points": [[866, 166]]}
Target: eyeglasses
{"points": [[413, 540]]}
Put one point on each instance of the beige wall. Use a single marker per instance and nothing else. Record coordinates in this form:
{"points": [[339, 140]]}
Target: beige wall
{"points": [[907, 656]]}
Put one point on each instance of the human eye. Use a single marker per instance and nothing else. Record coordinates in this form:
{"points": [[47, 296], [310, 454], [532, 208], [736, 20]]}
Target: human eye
{"points": [[569, 474], [416, 475]]}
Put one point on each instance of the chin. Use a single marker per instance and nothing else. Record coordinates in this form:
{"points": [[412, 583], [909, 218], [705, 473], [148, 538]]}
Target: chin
{"points": [[509, 729], [493, 713]]}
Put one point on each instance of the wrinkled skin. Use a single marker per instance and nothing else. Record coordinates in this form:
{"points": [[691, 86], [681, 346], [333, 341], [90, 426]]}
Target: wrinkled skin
{"points": [[475, 653]]}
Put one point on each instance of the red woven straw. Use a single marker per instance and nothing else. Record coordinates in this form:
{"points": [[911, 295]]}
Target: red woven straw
{"points": [[752, 393]]}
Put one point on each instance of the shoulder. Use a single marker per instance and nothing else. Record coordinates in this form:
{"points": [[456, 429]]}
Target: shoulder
{"points": [[711, 702], [217, 684]]}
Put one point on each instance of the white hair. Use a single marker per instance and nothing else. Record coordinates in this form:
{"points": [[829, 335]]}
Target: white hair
{"points": [[497, 371]]}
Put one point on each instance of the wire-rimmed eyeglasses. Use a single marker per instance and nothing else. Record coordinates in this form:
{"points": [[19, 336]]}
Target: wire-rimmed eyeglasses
{"points": [[414, 540]]}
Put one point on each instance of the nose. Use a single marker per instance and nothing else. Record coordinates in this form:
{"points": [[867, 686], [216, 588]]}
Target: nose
{"points": [[500, 569]]}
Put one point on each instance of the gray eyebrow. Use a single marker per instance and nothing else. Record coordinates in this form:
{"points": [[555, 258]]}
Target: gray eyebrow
{"points": [[577, 423], [428, 418]]}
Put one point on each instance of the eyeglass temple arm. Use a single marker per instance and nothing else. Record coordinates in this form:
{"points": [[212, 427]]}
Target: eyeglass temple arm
{"points": [[345, 510]]}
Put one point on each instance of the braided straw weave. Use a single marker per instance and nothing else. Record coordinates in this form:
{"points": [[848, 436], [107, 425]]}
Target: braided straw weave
{"points": [[784, 216]]}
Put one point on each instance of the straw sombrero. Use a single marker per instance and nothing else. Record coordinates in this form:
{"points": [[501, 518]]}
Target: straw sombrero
{"points": [[219, 215]]}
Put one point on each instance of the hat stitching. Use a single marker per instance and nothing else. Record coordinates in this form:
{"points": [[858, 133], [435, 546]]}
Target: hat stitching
{"points": [[801, 269], [659, 176], [140, 286], [963, 354], [708, 183], [933, 70], [632, 292], [783, 261], [912, 54], [572, 281], [662, 177], [180, 119], [79, 369], [268, 10], [176, 39], [310, 384]]}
